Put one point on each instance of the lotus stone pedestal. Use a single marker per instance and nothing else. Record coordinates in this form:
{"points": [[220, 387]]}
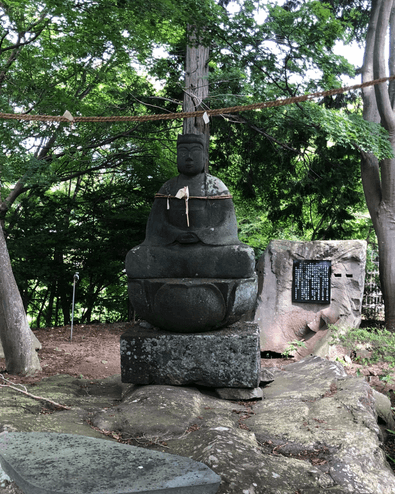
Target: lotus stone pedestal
{"points": [[187, 305]]}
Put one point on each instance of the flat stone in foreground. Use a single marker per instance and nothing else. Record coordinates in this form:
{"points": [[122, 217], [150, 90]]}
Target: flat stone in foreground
{"points": [[225, 358], [51, 463]]}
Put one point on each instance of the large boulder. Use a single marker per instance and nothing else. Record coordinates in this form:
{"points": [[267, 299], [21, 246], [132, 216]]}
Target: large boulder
{"points": [[283, 320], [315, 431]]}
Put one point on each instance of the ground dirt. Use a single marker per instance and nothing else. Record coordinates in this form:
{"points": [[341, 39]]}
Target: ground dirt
{"points": [[93, 353]]}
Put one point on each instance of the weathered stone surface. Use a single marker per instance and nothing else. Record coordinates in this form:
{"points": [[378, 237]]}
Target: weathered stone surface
{"points": [[224, 358], [50, 463], [316, 407], [315, 431], [312, 411], [239, 394], [282, 321], [4, 478], [384, 410], [191, 259], [21, 413]]}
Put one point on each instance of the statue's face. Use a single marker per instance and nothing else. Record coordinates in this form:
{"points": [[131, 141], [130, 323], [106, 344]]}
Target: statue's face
{"points": [[190, 158]]}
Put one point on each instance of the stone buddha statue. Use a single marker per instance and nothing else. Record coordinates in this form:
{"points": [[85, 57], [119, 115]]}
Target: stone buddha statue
{"points": [[191, 273]]}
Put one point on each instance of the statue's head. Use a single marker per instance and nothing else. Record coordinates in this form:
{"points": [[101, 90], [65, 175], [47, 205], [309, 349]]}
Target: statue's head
{"points": [[190, 153]]}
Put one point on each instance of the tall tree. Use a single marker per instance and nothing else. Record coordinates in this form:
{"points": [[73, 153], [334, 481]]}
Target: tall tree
{"points": [[379, 176]]}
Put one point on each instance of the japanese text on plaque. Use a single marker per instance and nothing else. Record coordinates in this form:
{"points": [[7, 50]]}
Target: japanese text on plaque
{"points": [[311, 282]]}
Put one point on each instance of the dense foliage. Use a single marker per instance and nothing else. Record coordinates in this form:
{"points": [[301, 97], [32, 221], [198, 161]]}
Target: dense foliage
{"points": [[76, 197]]}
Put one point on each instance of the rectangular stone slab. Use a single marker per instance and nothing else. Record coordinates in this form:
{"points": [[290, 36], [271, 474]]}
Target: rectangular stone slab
{"points": [[226, 358], [51, 463]]}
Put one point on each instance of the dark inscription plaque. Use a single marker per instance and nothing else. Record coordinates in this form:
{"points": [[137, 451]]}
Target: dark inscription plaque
{"points": [[311, 282]]}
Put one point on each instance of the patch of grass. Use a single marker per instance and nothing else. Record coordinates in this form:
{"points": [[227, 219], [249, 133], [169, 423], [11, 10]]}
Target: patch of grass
{"points": [[378, 343]]}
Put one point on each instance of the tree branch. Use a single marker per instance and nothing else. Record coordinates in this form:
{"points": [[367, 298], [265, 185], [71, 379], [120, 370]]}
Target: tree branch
{"points": [[379, 69], [370, 110], [12, 196], [371, 185], [25, 392], [391, 64], [243, 120], [16, 47], [370, 170]]}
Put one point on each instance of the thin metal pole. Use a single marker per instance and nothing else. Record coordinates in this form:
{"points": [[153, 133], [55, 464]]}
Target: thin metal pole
{"points": [[75, 279]]}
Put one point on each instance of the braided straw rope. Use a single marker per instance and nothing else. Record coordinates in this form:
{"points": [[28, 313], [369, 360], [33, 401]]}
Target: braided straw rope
{"points": [[212, 113], [164, 196]]}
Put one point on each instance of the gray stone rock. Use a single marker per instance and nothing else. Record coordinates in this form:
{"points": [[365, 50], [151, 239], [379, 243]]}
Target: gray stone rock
{"points": [[267, 375], [283, 321], [384, 410], [315, 432], [239, 393], [4, 478], [50, 463], [228, 357]]}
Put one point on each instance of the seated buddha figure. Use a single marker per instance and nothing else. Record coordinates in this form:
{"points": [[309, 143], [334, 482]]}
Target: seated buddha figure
{"points": [[191, 235]]}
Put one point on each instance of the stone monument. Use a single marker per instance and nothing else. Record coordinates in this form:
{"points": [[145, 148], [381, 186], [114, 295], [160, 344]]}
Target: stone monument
{"points": [[304, 287], [190, 275]]}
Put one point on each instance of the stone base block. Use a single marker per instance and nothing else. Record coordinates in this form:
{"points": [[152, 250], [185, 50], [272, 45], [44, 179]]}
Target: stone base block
{"points": [[226, 358]]}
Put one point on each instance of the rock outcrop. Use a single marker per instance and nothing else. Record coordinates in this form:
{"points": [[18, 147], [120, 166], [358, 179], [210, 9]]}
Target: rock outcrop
{"points": [[315, 430]]}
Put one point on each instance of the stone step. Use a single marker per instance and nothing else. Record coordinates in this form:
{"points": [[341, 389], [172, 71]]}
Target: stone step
{"points": [[51, 463]]}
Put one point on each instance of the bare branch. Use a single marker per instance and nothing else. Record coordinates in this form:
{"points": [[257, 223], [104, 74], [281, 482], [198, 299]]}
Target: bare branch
{"points": [[175, 101], [239, 119], [25, 392], [2, 39], [156, 106], [22, 35]]}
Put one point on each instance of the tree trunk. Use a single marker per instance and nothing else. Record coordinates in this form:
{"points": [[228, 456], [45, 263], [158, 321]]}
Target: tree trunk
{"points": [[386, 243], [379, 178], [40, 312], [196, 88], [16, 336], [48, 315]]}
